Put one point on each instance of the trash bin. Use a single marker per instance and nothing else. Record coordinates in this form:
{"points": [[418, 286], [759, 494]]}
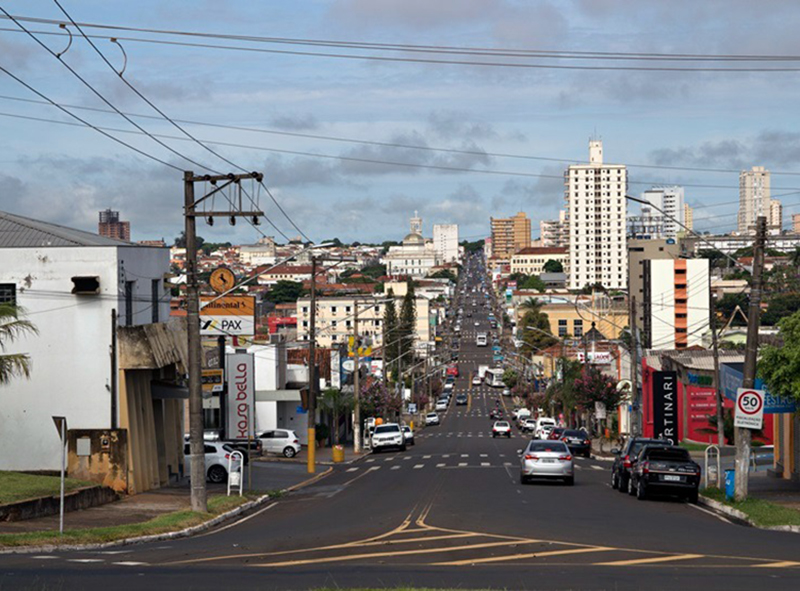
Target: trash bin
{"points": [[730, 484], [338, 454]]}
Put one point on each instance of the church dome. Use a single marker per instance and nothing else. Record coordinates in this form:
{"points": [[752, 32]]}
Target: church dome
{"points": [[413, 239]]}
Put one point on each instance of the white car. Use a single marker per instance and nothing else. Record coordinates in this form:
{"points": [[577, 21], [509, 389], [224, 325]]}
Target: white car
{"points": [[527, 425], [217, 456], [476, 381], [441, 405], [431, 418], [409, 435], [388, 435], [539, 432], [280, 441], [501, 428]]}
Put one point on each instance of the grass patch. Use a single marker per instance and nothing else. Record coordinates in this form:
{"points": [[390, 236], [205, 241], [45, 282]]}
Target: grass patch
{"points": [[168, 522], [17, 486], [761, 512]]}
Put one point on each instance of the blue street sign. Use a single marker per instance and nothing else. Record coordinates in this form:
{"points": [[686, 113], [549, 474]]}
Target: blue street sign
{"points": [[731, 377]]}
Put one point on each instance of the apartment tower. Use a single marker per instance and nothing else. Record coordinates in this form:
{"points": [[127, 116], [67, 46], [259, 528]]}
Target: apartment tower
{"points": [[510, 235], [110, 226], [754, 199], [596, 214]]}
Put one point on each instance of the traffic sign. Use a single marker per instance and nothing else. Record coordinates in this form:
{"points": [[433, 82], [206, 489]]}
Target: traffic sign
{"points": [[749, 409]]}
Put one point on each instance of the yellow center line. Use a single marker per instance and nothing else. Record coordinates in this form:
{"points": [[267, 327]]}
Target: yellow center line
{"points": [[652, 560], [523, 556], [388, 554], [783, 564], [385, 542]]}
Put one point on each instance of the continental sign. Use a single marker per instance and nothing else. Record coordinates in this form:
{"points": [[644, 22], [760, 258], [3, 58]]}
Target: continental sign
{"points": [[229, 315]]}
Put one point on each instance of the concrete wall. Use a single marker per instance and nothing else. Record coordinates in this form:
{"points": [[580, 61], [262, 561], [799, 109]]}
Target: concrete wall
{"points": [[107, 459], [70, 360]]}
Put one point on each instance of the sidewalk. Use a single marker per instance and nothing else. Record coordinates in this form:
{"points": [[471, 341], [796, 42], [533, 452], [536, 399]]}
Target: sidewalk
{"points": [[146, 506]]}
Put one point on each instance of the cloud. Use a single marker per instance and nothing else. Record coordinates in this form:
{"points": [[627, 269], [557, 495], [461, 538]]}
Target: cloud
{"points": [[285, 172], [456, 124], [303, 122]]}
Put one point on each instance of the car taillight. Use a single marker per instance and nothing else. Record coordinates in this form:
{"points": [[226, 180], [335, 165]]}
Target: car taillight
{"points": [[295, 441], [563, 439], [531, 457], [646, 468], [626, 461], [227, 456], [586, 442]]}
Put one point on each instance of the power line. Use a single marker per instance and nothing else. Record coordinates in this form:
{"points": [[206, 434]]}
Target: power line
{"points": [[405, 146]]}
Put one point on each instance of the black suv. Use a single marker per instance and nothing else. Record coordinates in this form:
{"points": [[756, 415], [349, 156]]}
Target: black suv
{"points": [[625, 458], [667, 470]]}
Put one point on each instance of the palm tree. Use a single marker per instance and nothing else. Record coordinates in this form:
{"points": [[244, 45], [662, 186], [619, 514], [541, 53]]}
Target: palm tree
{"points": [[13, 365], [531, 305]]}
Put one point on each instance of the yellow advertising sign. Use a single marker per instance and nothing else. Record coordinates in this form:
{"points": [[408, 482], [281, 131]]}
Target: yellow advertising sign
{"points": [[362, 351]]}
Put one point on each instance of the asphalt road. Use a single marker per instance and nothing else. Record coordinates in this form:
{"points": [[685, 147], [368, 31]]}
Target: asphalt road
{"points": [[448, 512]]}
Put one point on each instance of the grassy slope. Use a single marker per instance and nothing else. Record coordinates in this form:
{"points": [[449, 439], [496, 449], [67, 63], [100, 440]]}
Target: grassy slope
{"points": [[16, 486]]}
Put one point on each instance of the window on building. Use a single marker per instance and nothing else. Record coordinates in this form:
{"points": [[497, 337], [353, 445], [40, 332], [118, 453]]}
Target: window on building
{"points": [[154, 298], [305, 309], [8, 293], [348, 309], [86, 285], [129, 303], [305, 323], [333, 309]]}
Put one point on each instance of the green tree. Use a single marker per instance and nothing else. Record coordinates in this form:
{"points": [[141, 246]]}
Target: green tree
{"points": [[285, 291], [180, 241], [510, 378], [553, 266], [726, 305], [470, 247], [390, 335], [716, 259], [407, 322], [533, 282], [779, 367], [534, 327], [337, 403], [780, 306], [12, 327], [445, 274]]}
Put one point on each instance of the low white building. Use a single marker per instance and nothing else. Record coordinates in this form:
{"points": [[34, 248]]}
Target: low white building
{"points": [[103, 356], [531, 260], [415, 257], [445, 242]]}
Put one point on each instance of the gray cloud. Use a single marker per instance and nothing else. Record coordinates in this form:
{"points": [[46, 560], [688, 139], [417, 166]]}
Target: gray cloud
{"points": [[303, 122], [455, 124], [286, 172]]}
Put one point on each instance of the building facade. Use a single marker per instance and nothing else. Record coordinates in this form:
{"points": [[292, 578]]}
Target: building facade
{"points": [[415, 257], [531, 261], [676, 300], [775, 219], [688, 216], [664, 217], [597, 215], [754, 199], [110, 226], [510, 235], [554, 233], [796, 223], [445, 242]]}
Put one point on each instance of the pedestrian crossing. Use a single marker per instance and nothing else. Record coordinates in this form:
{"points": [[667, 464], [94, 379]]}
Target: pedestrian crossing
{"points": [[448, 461], [460, 434]]}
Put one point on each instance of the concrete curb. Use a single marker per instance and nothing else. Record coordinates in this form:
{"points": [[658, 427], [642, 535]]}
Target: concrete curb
{"points": [[184, 533], [740, 517], [279, 460]]}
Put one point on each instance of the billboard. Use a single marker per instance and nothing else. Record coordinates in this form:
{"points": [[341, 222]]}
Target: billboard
{"points": [[665, 405], [229, 315], [731, 378], [241, 405]]}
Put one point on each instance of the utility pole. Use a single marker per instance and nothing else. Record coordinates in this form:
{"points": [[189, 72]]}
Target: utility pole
{"points": [[743, 436], [715, 350], [636, 415], [313, 381], [356, 384], [196, 446]]}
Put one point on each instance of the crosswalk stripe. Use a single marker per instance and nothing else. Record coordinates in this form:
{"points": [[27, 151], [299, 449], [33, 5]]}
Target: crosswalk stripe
{"points": [[418, 466], [85, 560], [464, 455], [395, 467], [597, 467], [485, 464], [352, 469], [426, 457], [652, 560], [369, 460], [462, 464], [440, 465]]}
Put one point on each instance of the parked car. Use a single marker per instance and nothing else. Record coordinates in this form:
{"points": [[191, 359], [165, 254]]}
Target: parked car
{"points": [[547, 459], [217, 457], [431, 419], [280, 441], [501, 428], [577, 441], [668, 470], [386, 436], [441, 405], [626, 457], [408, 434]]}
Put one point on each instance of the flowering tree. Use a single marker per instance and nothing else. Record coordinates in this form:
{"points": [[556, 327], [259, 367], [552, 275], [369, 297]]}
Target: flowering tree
{"points": [[377, 400], [595, 386]]}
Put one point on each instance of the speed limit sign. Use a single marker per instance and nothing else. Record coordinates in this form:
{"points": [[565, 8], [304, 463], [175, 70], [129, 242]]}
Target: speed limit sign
{"points": [[749, 409]]}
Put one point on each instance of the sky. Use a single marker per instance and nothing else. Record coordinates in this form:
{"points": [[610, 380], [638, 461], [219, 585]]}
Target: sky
{"points": [[66, 174]]}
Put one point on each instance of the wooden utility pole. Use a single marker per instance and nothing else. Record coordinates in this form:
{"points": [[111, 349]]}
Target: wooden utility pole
{"points": [[636, 401], [715, 350], [356, 384], [199, 500], [743, 436], [313, 380]]}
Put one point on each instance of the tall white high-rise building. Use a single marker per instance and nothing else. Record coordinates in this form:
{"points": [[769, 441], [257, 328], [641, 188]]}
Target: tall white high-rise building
{"points": [[554, 233], [596, 215], [775, 219], [668, 200], [754, 198], [445, 242]]}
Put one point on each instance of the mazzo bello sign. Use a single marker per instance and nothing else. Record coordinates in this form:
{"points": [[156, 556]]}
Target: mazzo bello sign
{"points": [[665, 405], [241, 396], [229, 315]]}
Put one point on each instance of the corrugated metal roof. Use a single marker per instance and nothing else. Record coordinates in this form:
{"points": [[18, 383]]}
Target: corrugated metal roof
{"points": [[20, 232]]}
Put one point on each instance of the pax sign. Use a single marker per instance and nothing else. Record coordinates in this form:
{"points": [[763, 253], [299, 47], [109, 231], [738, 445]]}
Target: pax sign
{"points": [[241, 396], [749, 409]]}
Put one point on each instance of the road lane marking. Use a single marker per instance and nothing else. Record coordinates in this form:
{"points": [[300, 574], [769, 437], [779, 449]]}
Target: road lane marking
{"points": [[464, 455], [388, 459], [389, 554], [484, 455], [445, 455], [524, 556], [45, 557], [783, 564], [462, 464], [418, 466], [85, 560], [426, 457], [395, 467], [440, 465], [485, 464], [652, 560], [237, 522], [597, 467], [368, 460], [407, 458], [130, 563]]}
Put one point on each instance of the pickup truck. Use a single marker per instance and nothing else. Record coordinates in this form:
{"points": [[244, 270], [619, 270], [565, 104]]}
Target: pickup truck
{"points": [[668, 470]]}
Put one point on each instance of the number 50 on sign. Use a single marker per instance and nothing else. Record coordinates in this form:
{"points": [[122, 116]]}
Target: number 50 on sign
{"points": [[749, 409]]}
